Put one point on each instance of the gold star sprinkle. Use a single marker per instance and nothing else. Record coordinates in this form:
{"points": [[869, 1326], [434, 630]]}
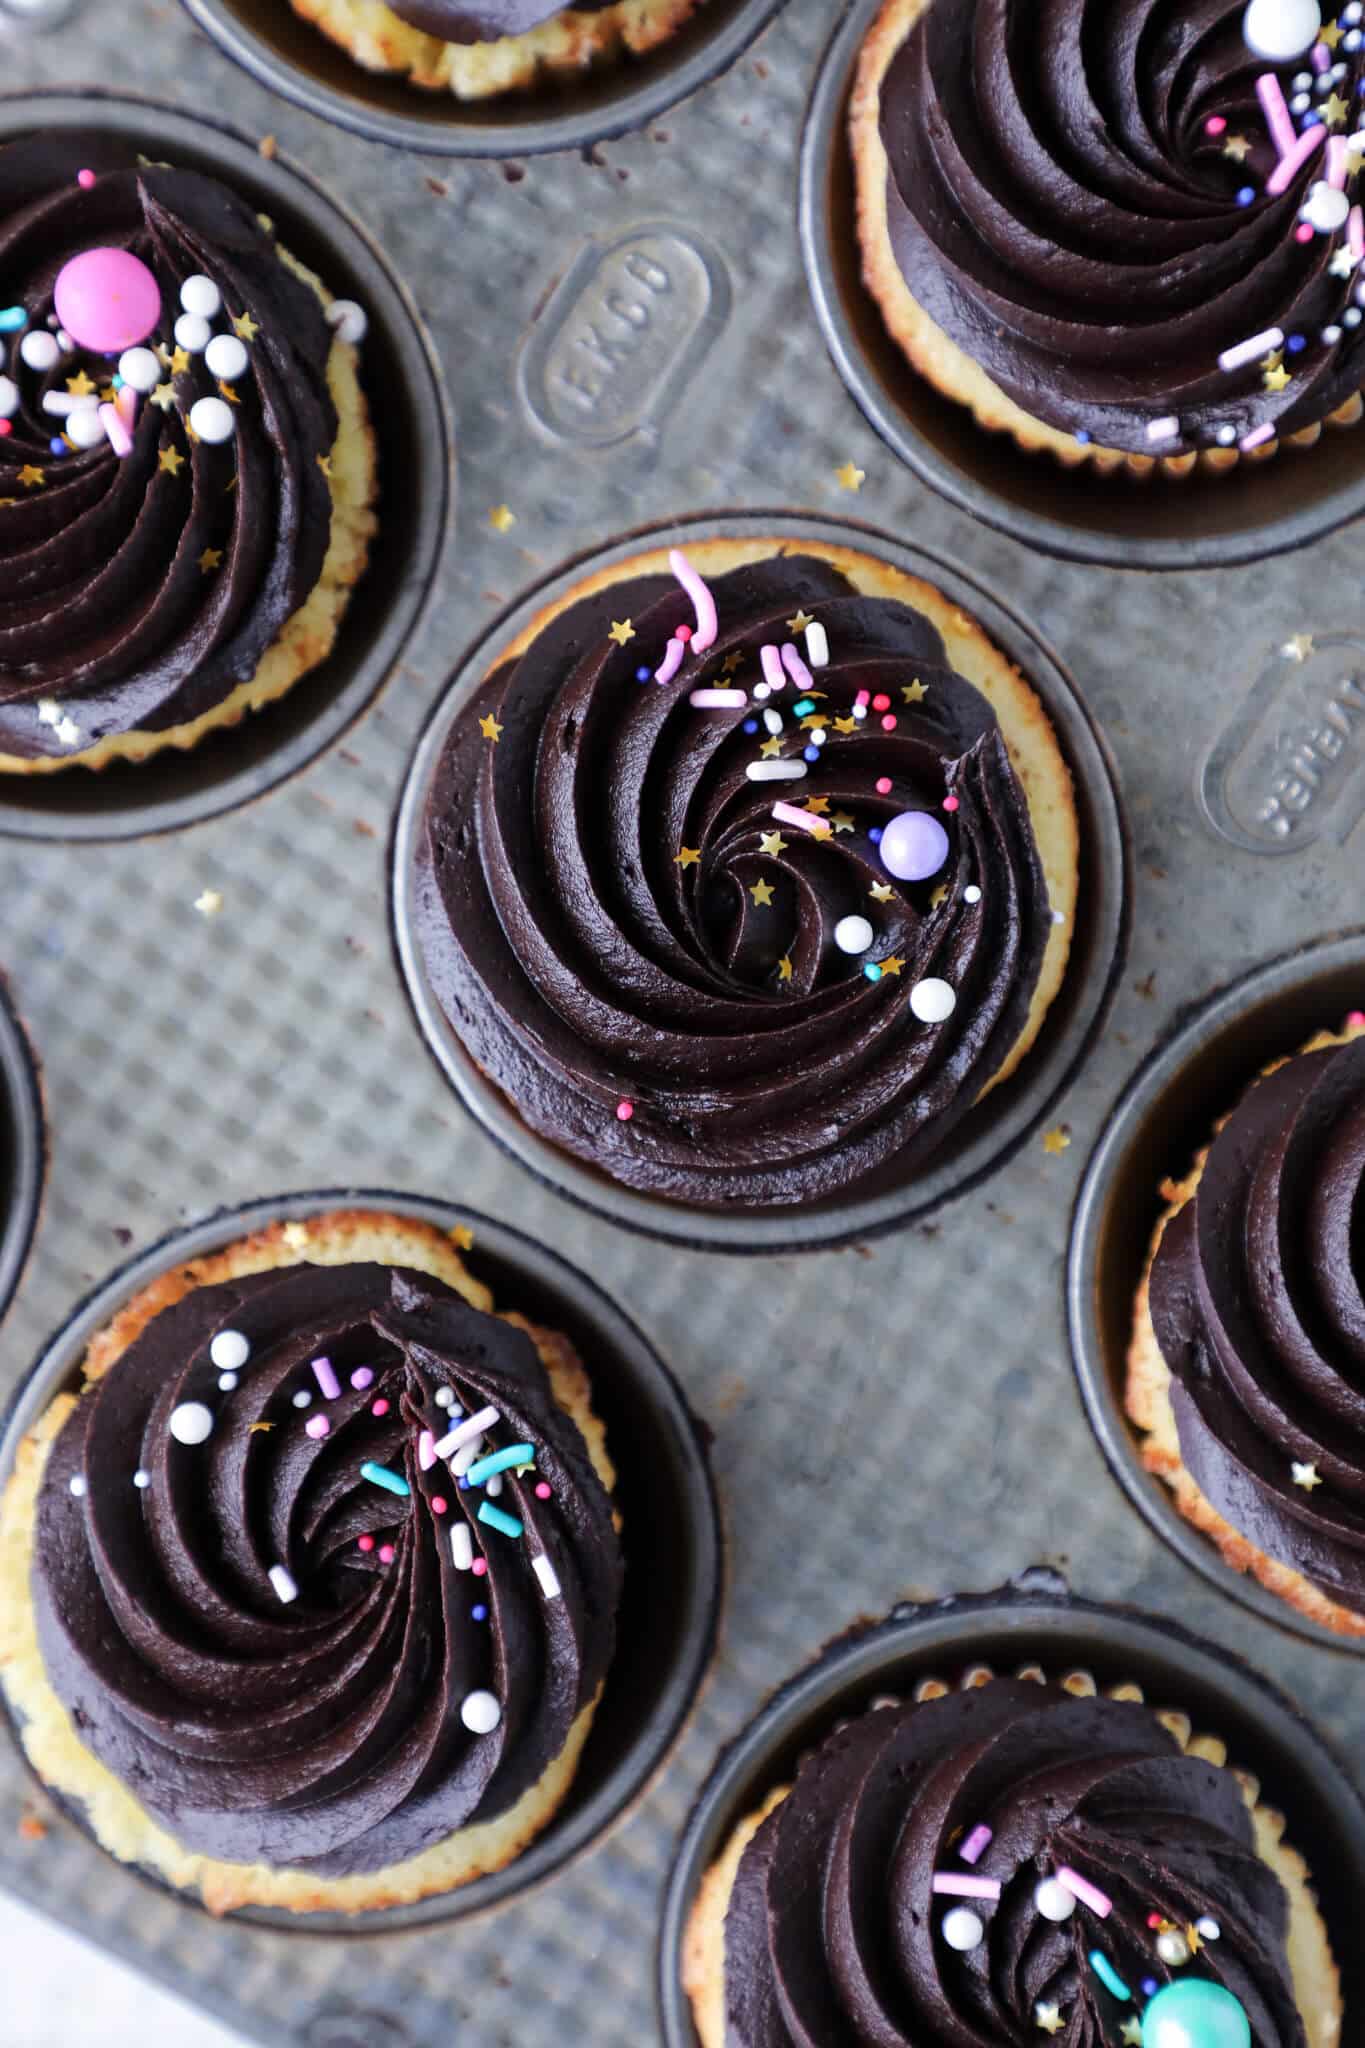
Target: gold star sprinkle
{"points": [[226, 391], [762, 893], [1049, 2018], [784, 969], [259, 1425], [1057, 1139], [171, 460], [179, 362], [842, 822], [209, 902], [687, 857], [1238, 147], [107, 394], [462, 1237], [502, 519], [81, 386], [490, 728], [1276, 379], [770, 749], [939, 896], [800, 622], [1131, 2037], [30, 475], [1335, 110], [212, 558], [621, 631], [245, 327], [325, 465], [163, 396], [916, 692], [1306, 1476], [850, 477], [893, 965], [880, 892], [773, 843], [817, 804], [1272, 361], [1194, 1939], [817, 719], [1299, 648], [732, 661], [845, 725]]}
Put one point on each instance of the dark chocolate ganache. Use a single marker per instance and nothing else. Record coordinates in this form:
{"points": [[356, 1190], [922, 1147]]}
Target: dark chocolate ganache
{"points": [[138, 588], [483, 21], [668, 976], [1081, 195], [835, 1930], [1257, 1304], [285, 1659]]}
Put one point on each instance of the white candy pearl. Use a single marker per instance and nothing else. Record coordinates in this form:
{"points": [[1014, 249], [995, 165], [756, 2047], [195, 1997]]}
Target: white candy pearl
{"points": [[226, 357], [77, 1485], [445, 1397], [1173, 1950], [39, 350], [142, 1480], [351, 321], [192, 332], [140, 368], [303, 1399], [962, 1929], [201, 295], [853, 935], [84, 429], [1054, 1901], [229, 1351], [228, 1382], [1326, 208], [932, 1001], [1331, 336], [480, 1712], [211, 419], [9, 398], [191, 1422], [971, 894], [1281, 30], [1209, 1928], [1226, 436]]}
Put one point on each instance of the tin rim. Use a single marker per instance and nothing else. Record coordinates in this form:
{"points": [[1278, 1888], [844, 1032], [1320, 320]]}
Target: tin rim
{"points": [[23, 1145], [636, 1393], [413, 429], [990, 1136]]}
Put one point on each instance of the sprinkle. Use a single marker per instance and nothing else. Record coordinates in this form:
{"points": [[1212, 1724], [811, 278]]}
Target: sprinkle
{"points": [[1246, 195], [802, 706], [1256, 438], [1336, 162], [365, 1543], [350, 321], [211, 420], [479, 1567], [445, 1397], [501, 517], [805, 821], [480, 1712], [478, 1612], [971, 894], [872, 971], [229, 1350], [142, 1480], [1277, 116], [500, 1461], [303, 1398], [1167, 429], [363, 1377], [543, 1489], [1283, 175], [77, 1486], [120, 440], [889, 722], [883, 785], [380, 1475], [326, 1378], [817, 645], [962, 1930], [426, 1451], [1108, 1975], [1082, 1889], [461, 1546], [703, 603], [1054, 1901], [12, 318], [464, 1458], [1306, 1476], [285, 1589], [1048, 2016], [773, 673], [85, 179], [1056, 1140], [671, 663], [718, 700], [853, 934], [1320, 57], [776, 771], [849, 477], [1251, 351], [772, 721], [317, 1426], [956, 1884], [950, 803], [1215, 125], [545, 1572], [464, 1432], [386, 1553], [496, 1519], [976, 1844], [380, 1407], [439, 1504], [1209, 1928], [795, 667]]}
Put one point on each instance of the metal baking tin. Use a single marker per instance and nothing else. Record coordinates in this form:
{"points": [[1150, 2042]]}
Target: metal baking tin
{"points": [[298, 61], [1008, 1114], [1165, 1115], [1037, 1623], [1195, 522], [23, 1147], [410, 414], [671, 1531]]}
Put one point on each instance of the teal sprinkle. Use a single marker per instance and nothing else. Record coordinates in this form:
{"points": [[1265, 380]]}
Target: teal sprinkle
{"points": [[1108, 1975], [380, 1475], [872, 970], [499, 1461], [804, 705], [116, 381], [12, 318], [496, 1519]]}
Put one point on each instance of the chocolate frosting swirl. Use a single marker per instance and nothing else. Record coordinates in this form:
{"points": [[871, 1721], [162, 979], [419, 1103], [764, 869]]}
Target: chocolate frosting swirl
{"points": [[1058, 208], [326, 1733], [106, 606], [1258, 1307], [483, 21], [585, 963], [833, 1933]]}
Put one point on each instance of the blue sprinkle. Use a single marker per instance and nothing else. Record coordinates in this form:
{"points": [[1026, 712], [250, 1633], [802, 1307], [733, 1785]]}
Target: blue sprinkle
{"points": [[464, 1486], [812, 753], [751, 725], [1312, 119], [1082, 436], [1296, 343], [1150, 1987], [872, 971], [12, 318], [1247, 196], [875, 835], [57, 445], [642, 675], [117, 381], [802, 706], [480, 1613]]}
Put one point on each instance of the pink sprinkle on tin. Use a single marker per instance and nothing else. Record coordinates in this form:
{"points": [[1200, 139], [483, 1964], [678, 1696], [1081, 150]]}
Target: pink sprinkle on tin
{"points": [[361, 1378], [386, 1553], [317, 1426], [380, 1407], [439, 1504], [950, 803], [543, 1491], [1082, 1889], [365, 1543], [479, 1567], [624, 1111], [85, 179], [981, 1837], [883, 785]]}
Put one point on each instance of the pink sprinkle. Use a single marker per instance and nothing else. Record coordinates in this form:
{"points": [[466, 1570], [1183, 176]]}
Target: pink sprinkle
{"points": [[683, 633], [120, 440], [439, 1504], [980, 1838], [889, 722], [317, 1426], [883, 785], [1336, 162], [1355, 234], [85, 179], [624, 1111], [1356, 1021], [381, 1407], [326, 1378], [950, 803], [1256, 438], [1321, 57], [881, 702], [365, 1543], [6, 427], [1303, 233], [426, 1451], [1215, 125], [956, 1884], [804, 821], [361, 1378], [703, 604], [543, 1491], [1287, 169], [1278, 118], [795, 667], [671, 663], [861, 698], [479, 1567], [774, 675], [1082, 1889], [386, 1553]]}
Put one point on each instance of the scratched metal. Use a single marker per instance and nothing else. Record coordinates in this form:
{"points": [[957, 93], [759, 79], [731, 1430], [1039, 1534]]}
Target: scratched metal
{"points": [[627, 336]]}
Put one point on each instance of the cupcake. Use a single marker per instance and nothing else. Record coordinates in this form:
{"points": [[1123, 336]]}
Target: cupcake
{"points": [[746, 873], [479, 48], [1134, 239], [1012, 1860], [1248, 1337], [186, 463], [310, 1591]]}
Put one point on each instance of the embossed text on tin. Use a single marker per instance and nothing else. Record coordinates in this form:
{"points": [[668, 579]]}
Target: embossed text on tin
{"points": [[1289, 768]]}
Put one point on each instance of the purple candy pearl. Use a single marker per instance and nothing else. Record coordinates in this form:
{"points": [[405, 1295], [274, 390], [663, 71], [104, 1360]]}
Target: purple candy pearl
{"points": [[913, 846]]}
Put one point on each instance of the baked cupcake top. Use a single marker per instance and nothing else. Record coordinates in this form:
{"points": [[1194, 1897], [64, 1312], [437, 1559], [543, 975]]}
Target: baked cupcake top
{"points": [[483, 21], [1259, 1311], [272, 1607], [1002, 1865], [1145, 232], [732, 888], [165, 426]]}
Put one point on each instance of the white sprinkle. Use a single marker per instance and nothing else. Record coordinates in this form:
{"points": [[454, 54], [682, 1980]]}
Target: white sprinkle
{"points": [[1167, 429], [932, 1000], [426, 1451], [971, 894], [467, 1455], [193, 333], [487, 1418], [61, 404], [1326, 208], [67, 731], [9, 398], [776, 771], [817, 645], [461, 1546], [303, 1399], [212, 419], [142, 1480], [285, 1589], [78, 1486], [85, 428], [1058, 917], [64, 341], [228, 1382], [545, 1572], [140, 368], [773, 720], [1209, 1928], [1054, 1901], [40, 351], [853, 935], [1331, 335], [1251, 351], [49, 711], [1226, 436], [191, 1422], [962, 1929], [445, 1397], [818, 736], [718, 700], [493, 1485], [350, 320], [226, 357], [1351, 317], [199, 294], [229, 1351], [480, 1712]]}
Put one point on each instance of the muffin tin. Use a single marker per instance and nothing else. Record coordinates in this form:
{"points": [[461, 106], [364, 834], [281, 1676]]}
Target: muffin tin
{"points": [[899, 1417]]}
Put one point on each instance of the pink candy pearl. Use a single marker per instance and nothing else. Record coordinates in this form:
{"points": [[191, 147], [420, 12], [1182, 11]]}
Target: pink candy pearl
{"points": [[107, 300], [479, 1567], [365, 1543], [386, 1553], [317, 1426], [361, 1378], [85, 179], [439, 1504], [542, 1491], [883, 785], [381, 1407]]}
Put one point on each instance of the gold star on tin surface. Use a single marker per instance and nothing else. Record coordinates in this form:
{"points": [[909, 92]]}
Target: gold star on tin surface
{"points": [[687, 857], [1238, 147], [881, 892], [770, 749], [1049, 2018], [1057, 1139], [163, 396], [845, 725], [30, 476], [209, 902], [784, 969], [842, 822], [817, 804], [1298, 648], [1306, 1476], [916, 692], [245, 328], [502, 519], [850, 477], [762, 893], [171, 461], [1335, 110], [800, 622], [621, 631], [212, 558], [81, 386], [893, 966], [773, 843], [489, 727], [1276, 378]]}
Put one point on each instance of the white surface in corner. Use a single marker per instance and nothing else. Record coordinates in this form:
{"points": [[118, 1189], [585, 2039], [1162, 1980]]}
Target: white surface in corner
{"points": [[50, 1976]]}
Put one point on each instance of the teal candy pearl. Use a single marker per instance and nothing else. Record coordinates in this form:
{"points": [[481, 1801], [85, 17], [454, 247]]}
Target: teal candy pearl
{"points": [[1195, 2014]]}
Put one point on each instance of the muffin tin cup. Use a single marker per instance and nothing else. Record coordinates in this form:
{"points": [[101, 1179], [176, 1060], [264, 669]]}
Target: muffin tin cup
{"points": [[300, 63], [1166, 1115], [993, 1131], [411, 420], [1036, 1621], [671, 1528], [1122, 522], [23, 1147]]}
